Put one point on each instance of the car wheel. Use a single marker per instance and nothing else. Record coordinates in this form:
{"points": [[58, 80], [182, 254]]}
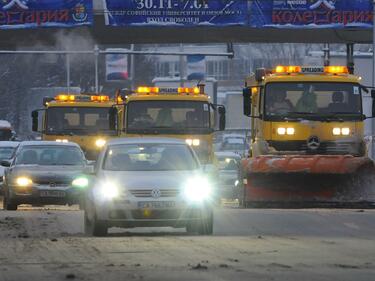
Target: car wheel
{"points": [[9, 204], [203, 226], [94, 227]]}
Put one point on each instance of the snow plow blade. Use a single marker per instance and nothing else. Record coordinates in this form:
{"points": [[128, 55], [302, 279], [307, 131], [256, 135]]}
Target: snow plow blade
{"points": [[304, 179]]}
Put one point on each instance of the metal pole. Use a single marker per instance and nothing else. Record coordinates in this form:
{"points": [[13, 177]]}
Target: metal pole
{"points": [[96, 54], [327, 55], [68, 72], [373, 77], [181, 66], [132, 67], [350, 57]]}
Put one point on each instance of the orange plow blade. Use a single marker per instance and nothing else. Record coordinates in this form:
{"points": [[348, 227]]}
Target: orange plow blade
{"points": [[309, 178]]}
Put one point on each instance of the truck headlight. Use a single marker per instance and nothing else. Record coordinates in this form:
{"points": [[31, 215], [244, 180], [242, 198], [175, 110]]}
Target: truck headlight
{"points": [[62, 140], [100, 143], [345, 131], [23, 181], [336, 131], [197, 189], [80, 182], [108, 190], [290, 131], [193, 142]]}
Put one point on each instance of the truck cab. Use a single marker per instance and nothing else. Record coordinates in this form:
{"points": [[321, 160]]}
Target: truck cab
{"points": [[185, 113], [83, 119], [305, 110]]}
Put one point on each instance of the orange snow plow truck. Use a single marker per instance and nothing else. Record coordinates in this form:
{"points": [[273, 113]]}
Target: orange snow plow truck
{"points": [[307, 143]]}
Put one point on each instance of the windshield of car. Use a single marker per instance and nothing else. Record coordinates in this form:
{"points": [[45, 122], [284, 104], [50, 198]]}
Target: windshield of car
{"points": [[6, 152], [168, 116], [78, 120], [228, 163], [50, 155], [313, 100], [149, 157]]}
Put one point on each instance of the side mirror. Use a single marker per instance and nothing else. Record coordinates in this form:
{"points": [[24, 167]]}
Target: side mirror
{"points": [[47, 100], [246, 93], [373, 93], [222, 118], [35, 116], [6, 163], [260, 73], [113, 118]]}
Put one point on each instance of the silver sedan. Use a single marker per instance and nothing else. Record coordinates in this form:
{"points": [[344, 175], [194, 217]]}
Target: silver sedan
{"points": [[141, 182]]}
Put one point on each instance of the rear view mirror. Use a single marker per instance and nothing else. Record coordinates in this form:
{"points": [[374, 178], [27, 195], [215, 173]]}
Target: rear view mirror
{"points": [[113, 118], [246, 93], [5, 163]]}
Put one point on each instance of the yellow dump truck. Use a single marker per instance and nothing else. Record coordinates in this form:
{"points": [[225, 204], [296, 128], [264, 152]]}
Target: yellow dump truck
{"points": [[185, 113], [307, 142], [83, 119]]}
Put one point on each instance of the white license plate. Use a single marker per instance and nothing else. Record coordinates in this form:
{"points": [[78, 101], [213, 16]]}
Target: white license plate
{"points": [[156, 205], [52, 193]]}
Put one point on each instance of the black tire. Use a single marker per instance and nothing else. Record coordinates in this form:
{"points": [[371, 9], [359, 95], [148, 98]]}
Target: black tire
{"points": [[203, 226], [95, 227], [9, 204]]}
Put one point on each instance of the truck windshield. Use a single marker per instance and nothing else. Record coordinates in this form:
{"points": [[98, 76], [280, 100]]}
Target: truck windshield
{"points": [[78, 120], [173, 117], [313, 100]]}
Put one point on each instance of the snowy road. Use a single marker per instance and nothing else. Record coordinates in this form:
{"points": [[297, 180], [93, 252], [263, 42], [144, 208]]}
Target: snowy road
{"points": [[250, 244]]}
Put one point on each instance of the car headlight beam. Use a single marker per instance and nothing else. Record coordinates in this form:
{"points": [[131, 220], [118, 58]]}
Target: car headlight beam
{"points": [[100, 143], [80, 182], [109, 190], [197, 189], [23, 181]]}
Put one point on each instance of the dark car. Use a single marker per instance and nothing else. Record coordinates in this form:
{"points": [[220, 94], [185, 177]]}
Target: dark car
{"points": [[44, 172]]}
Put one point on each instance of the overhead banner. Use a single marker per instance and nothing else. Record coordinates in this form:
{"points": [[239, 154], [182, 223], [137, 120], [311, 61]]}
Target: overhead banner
{"points": [[196, 67], [45, 13], [176, 12], [311, 13]]}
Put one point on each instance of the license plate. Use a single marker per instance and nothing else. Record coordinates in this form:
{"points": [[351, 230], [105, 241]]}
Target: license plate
{"points": [[52, 193], [156, 205]]}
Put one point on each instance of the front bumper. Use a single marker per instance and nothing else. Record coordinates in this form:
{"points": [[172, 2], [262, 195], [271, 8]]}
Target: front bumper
{"points": [[59, 195], [126, 213]]}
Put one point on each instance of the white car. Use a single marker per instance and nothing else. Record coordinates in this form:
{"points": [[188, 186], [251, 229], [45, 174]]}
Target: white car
{"points": [[142, 182], [7, 149]]}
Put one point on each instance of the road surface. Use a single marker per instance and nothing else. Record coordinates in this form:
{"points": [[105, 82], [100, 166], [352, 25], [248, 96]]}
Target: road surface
{"points": [[248, 244]]}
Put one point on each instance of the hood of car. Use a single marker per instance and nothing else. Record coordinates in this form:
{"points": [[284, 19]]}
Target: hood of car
{"points": [[47, 174], [147, 180]]}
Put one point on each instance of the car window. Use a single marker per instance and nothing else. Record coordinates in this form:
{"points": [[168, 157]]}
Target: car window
{"points": [[49, 155], [6, 152], [149, 157], [228, 163]]}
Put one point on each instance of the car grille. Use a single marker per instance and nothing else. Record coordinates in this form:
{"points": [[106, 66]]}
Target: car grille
{"points": [[147, 193], [53, 182]]}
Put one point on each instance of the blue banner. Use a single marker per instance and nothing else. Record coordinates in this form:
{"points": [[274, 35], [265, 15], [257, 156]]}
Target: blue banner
{"points": [[176, 12], [196, 67], [45, 13], [311, 13]]}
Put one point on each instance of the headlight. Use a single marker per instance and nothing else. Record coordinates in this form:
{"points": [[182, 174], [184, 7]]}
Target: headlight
{"points": [[100, 143], [336, 131], [341, 131], [197, 189], [281, 131], [290, 131], [80, 182], [285, 131], [62, 140], [345, 131], [109, 190], [23, 181], [193, 142]]}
